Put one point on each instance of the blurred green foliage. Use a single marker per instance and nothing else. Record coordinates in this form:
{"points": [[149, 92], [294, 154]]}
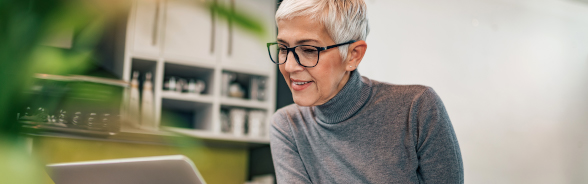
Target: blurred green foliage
{"points": [[241, 19], [24, 25]]}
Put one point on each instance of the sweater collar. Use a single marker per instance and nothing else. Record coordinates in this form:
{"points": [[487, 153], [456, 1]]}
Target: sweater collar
{"points": [[352, 97]]}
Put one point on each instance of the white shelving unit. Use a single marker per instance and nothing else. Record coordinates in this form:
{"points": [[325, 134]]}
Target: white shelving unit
{"points": [[208, 135], [182, 38], [189, 97]]}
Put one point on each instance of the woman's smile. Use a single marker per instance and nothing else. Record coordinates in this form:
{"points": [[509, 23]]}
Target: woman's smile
{"points": [[299, 85]]}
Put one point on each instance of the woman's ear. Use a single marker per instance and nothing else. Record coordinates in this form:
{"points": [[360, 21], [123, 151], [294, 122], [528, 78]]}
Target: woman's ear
{"points": [[355, 54]]}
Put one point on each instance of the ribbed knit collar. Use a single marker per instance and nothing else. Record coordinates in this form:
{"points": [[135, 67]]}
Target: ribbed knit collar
{"points": [[352, 97]]}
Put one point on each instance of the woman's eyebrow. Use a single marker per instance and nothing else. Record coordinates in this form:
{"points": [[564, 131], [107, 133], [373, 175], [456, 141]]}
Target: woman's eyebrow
{"points": [[282, 41], [299, 42]]}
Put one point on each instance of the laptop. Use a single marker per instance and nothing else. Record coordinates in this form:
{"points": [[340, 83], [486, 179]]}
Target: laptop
{"points": [[173, 169]]}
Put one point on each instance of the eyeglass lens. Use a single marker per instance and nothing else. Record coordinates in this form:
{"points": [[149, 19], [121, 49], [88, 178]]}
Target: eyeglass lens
{"points": [[307, 55]]}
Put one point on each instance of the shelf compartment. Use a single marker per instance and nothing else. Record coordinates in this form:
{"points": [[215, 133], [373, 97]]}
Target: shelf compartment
{"points": [[145, 56], [186, 72], [246, 69], [143, 67], [245, 103], [82, 78], [186, 114], [189, 62], [191, 97], [253, 88], [243, 122]]}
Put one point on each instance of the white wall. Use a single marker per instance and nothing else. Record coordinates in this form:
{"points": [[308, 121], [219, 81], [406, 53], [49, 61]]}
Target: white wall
{"points": [[513, 75]]}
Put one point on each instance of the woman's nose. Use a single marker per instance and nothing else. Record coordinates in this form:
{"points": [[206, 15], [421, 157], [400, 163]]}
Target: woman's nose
{"points": [[291, 64]]}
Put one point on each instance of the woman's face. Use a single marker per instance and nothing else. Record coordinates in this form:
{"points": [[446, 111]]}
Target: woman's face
{"points": [[316, 85]]}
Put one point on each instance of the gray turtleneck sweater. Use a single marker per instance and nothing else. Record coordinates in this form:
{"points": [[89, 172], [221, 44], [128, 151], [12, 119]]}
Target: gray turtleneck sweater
{"points": [[370, 132]]}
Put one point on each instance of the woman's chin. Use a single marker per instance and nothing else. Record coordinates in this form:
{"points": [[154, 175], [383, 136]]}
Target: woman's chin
{"points": [[303, 101]]}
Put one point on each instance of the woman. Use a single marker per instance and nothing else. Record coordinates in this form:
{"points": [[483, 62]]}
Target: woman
{"points": [[344, 128]]}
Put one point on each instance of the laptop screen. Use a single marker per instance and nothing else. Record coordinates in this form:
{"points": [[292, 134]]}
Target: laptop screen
{"points": [[174, 169]]}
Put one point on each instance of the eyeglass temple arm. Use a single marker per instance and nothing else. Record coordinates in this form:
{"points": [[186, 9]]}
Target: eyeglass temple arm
{"points": [[333, 46]]}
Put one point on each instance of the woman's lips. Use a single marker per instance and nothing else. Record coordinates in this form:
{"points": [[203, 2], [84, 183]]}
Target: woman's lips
{"points": [[300, 85]]}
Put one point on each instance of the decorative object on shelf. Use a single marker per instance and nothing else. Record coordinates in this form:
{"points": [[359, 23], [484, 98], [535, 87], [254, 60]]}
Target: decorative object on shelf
{"points": [[200, 86], [196, 86], [42, 115], [62, 117], [227, 79], [134, 100], [253, 87], [170, 84], [256, 123], [262, 88], [181, 85], [235, 90], [76, 119], [237, 117], [87, 96], [30, 116], [53, 121], [147, 120], [191, 86], [257, 88], [90, 121], [225, 122], [105, 121]]}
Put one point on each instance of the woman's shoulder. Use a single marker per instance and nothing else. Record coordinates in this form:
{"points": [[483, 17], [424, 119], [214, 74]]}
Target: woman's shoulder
{"points": [[291, 112], [399, 90], [395, 96]]}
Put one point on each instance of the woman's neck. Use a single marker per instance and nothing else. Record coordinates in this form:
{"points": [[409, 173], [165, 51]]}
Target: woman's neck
{"points": [[350, 98]]}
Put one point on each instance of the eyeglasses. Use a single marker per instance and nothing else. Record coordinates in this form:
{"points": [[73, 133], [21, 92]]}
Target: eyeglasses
{"points": [[305, 55]]}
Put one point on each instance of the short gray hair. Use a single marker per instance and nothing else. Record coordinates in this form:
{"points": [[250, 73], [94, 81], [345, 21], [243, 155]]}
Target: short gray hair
{"points": [[344, 20]]}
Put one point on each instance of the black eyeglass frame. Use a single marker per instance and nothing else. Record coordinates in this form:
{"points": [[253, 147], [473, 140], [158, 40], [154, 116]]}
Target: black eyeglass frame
{"points": [[291, 49]]}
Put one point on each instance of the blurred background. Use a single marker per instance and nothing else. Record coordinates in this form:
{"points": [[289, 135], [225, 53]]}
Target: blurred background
{"points": [[100, 79], [513, 75]]}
